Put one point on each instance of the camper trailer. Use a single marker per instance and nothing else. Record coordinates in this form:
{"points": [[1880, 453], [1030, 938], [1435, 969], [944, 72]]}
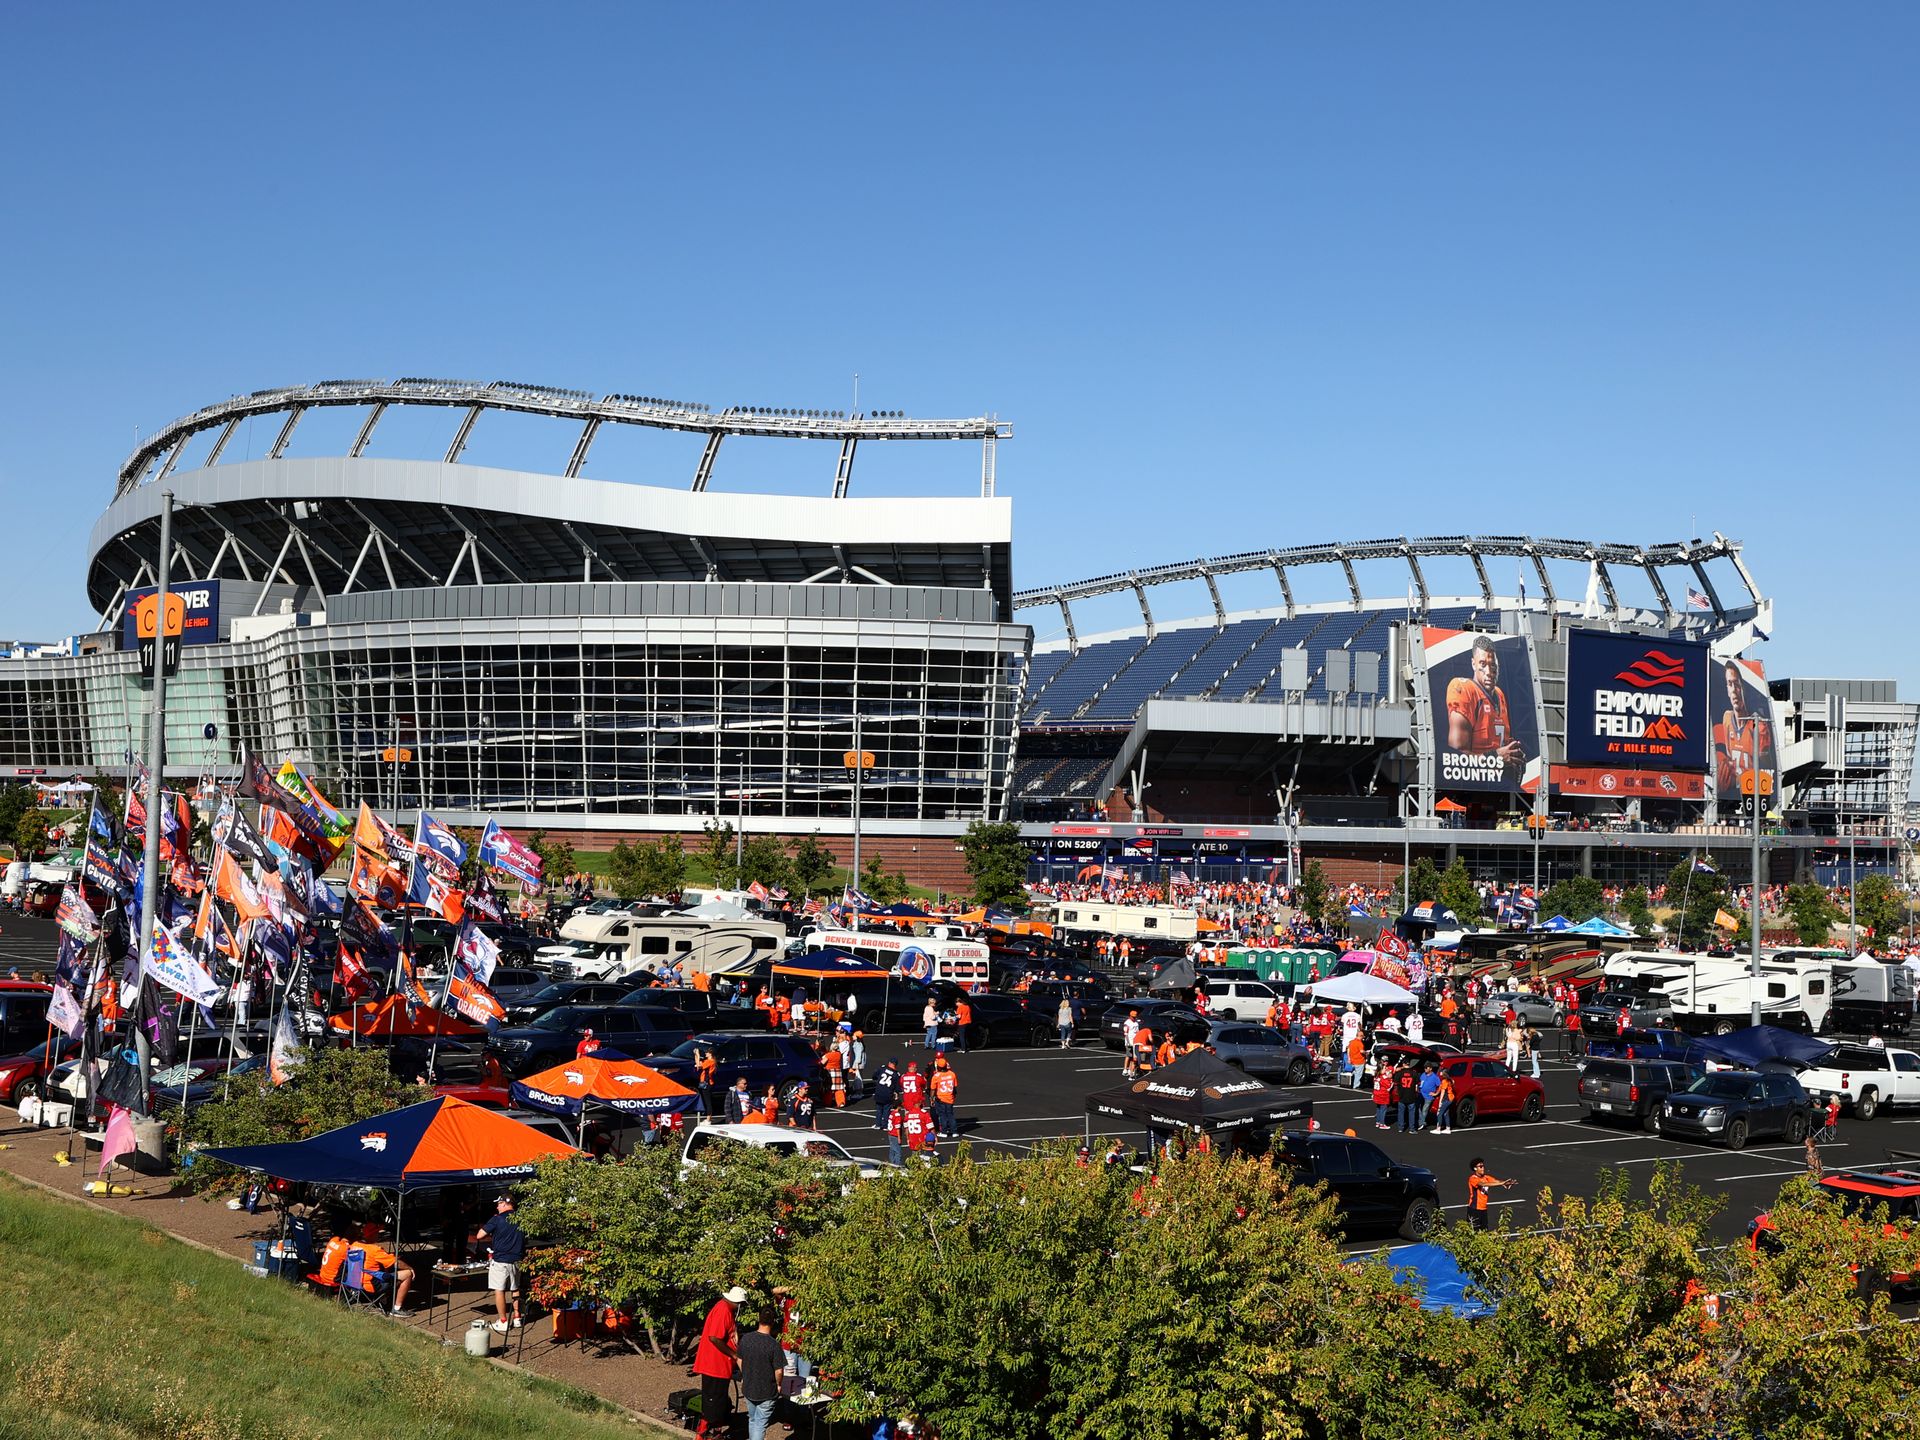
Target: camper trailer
{"points": [[1150, 922], [627, 943], [1716, 995]]}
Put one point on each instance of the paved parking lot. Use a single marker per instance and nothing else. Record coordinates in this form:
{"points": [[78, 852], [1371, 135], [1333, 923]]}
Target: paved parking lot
{"points": [[1010, 1099]]}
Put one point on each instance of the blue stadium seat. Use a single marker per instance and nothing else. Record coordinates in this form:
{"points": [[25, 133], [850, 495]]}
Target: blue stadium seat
{"points": [[1149, 670], [1216, 656], [1077, 681]]}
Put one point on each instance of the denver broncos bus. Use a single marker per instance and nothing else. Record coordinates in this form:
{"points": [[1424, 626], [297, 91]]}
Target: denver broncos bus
{"points": [[962, 961]]}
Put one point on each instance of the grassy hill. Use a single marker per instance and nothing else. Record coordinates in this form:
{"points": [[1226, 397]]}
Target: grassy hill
{"points": [[118, 1330]]}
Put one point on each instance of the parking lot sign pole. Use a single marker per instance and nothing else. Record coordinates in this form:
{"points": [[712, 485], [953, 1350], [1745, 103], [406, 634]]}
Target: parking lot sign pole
{"points": [[150, 880]]}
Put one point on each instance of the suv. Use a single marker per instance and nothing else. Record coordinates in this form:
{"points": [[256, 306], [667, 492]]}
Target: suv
{"points": [[1860, 1190], [1260, 1050], [1369, 1187], [1600, 1014], [556, 993], [1483, 1085], [1633, 1089], [1090, 1001], [23, 1014], [1734, 1106], [1865, 1078], [1661, 1044], [555, 1036], [1241, 998], [783, 1061], [1527, 1008], [1157, 1014]]}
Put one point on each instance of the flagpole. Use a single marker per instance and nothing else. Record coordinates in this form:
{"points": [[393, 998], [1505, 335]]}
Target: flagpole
{"points": [[156, 761]]}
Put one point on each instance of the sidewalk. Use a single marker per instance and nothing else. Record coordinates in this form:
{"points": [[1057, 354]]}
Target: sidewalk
{"points": [[635, 1382]]}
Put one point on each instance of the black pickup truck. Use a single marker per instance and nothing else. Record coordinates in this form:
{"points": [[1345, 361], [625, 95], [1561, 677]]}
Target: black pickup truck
{"points": [[1371, 1189]]}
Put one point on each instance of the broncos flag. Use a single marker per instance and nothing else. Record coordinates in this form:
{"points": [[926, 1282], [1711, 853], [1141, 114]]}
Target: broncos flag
{"points": [[286, 1055]]}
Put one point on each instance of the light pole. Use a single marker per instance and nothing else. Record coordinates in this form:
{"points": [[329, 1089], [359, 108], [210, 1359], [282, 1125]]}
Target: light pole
{"points": [[856, 762], [156, 763], [1751, 781]]}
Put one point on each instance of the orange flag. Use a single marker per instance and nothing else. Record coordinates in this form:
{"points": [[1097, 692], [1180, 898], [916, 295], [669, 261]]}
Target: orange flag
{"points": [[231, 884]]}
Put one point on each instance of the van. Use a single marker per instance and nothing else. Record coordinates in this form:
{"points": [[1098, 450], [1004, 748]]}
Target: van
{"points": [[710, 1135], [964, 962]]}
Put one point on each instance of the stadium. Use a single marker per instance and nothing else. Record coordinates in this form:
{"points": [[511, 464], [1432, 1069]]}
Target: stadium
{"points": [[576, 651]]}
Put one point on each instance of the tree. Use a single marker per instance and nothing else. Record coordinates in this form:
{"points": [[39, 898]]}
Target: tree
{"points": [[881, 886], [30, 835], [1579, 897], [996, 859], [470, 867], [1813, 912], [1313, 897], [1697, 895], [812, 863], [764, 861], [15, 802], [556, 856], [715, 854], [1878, 908], [648, 868], [1636, 911], [1459, 894], [1419, 884]]}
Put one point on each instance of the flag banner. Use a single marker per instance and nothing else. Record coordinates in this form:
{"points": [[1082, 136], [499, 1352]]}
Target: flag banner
{"points": [[478, 952], [482, 904], [1697, 601], [99, 823], [286, 837], [170, 965], [286, 1055], [184, 876], [503, 852], [118, 1139], [368, 932], [759, 891], [274, 947], [1725, 921], [854, 897], [231, 831], [63, 1011], [292, 779], [437, 844], [75, 916], [211, 935], [370, 832], [473, 999], [409, 984], [327, 904], [136, 816], [375, 881], [351, 971], [274, 891], [70, 962], [231, 884], [436, 888], [98, 869], [1702, 867]]}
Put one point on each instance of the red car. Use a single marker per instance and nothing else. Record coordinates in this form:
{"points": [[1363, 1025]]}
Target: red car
{"points": [[22, 1075], [1484, 1086], [1859, 1190]]}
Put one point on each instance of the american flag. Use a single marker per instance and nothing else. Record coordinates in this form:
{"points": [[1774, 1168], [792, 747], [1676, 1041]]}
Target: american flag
{"points": [[1697, 601]]}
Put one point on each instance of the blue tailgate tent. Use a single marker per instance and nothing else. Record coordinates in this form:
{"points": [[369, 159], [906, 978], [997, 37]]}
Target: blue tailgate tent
{"points": [[1437, 1279], [1748, 1046]]}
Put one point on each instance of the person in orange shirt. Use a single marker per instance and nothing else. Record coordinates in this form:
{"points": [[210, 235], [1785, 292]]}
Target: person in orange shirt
{"points": [[379, 1258], [1477, 720], [835, 1065], [1479, 1182], [1164, 1055], [782, 1013], [945, 1089]]}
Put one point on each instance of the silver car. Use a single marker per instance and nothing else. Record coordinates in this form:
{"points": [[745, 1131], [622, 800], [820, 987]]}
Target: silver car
{"points": [[1260, 1050], [1527, 1008]]}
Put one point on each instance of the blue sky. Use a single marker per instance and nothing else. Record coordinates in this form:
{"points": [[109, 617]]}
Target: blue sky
{"points": [[1239, 275]]}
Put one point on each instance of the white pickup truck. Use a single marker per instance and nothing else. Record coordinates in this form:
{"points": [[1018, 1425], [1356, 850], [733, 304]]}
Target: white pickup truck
{"points": [[1865, 1078]]}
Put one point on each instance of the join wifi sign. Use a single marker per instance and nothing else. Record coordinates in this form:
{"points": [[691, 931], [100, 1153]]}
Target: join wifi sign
{"points": [[1637, 700]]}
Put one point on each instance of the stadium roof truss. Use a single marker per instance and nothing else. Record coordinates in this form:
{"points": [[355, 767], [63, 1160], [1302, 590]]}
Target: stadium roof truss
{"points": [[1601, 556], [156, 456]]}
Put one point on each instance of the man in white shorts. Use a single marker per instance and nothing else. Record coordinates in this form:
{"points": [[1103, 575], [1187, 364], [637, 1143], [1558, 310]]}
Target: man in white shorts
{"points": [[508, 1247]]}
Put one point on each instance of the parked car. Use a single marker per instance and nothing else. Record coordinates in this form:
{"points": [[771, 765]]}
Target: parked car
{"points": [[1160, 1014], [555, 1036], [1632, 1090], [1239, 998], [998, 1018], [23, 1014], [23, 1076], [555, 993], [1600, 1013], [699, 1006], [1090, 1001], [1401, 1051], [515, 984], [516, 942], [1261, 1050], [1862, 1191], [710, 1136], [1370, 1189], [1735, 1106], [783, 1061], [1483, 1086], [1865, 1078], [1529, 1008], [1662, 1044]]}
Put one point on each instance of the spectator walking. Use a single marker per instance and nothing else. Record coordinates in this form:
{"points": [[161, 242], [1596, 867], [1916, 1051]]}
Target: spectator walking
{"points": [[1443, 1105], [1063, 1021], [714, 1362], [886, 1093], [946, 1088]]}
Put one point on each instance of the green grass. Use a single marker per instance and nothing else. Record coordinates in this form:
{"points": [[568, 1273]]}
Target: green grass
{"points": [[118, 1330]]}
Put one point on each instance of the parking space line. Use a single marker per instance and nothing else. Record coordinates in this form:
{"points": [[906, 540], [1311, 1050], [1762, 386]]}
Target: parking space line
{"points": [[1597, 1140], [1756, 1175], [1721, 1154]]}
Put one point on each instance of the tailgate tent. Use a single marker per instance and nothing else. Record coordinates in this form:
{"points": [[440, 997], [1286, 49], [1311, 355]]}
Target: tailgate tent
{"points": [[1360, 989], [1748, 1046], [829, 964], [1200, 1091], [623, 1085], [438, 1142], [1436, 1278], [392, 1015], [1598, 926]]}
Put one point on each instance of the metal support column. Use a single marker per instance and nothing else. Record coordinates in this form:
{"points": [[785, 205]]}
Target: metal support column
{"points": [[843, 474], [156, 765], [707, 456]]}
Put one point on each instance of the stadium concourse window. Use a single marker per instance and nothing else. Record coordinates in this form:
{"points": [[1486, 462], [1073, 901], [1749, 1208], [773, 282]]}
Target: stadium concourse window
{"points": [[671, 729]]}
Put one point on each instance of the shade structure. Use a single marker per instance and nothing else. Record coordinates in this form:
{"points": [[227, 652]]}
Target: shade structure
{"points": [[1361, 989], [1207, 926], [1429, 915], [1556, 923], [717, 909], [1432, 1274], [1599, 926], [1752, 1044], [442, 1141], [1178, 975], [1449, 807], [393, 1016], [588, 1080], [1200, 1091], [829, 964]]}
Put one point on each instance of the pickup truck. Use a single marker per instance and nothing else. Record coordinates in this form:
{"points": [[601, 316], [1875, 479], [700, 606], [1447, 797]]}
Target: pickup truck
{"points": [[1369, 1188], [1865, 1078], [1658, 1044]]}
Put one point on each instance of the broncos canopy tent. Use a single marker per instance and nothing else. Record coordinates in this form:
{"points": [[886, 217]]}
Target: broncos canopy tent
{"points": [[1200, 1092], [392, 1015], [436, 1143], [829, 964], [624, 1085], [1598, 926]]}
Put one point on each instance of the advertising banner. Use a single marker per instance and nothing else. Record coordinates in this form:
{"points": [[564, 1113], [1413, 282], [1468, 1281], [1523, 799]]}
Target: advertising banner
{"points": [[1635, 700], [1744, 738], [1626, 784], [1486, 735], [202, 624]]}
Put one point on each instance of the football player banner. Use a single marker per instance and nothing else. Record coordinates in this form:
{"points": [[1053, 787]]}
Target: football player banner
{"points": [[1480, 688], [1743, 731]]}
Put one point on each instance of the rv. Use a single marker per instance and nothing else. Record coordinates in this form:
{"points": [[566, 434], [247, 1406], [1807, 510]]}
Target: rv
{"points": [[1870, 996], [965, 962], [1716, 995], [626, 943], [1151, 922]]}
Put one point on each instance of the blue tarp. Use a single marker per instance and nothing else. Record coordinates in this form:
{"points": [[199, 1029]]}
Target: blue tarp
{"points": [[1558, 922], [1436, 1277], [1751, 1044], [1598, 926]]}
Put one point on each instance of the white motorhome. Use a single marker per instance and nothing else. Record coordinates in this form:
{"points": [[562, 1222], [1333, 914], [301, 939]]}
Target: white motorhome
{"points": [[965, 962], [1150, 922], [626, 943], [1716, 995]]}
